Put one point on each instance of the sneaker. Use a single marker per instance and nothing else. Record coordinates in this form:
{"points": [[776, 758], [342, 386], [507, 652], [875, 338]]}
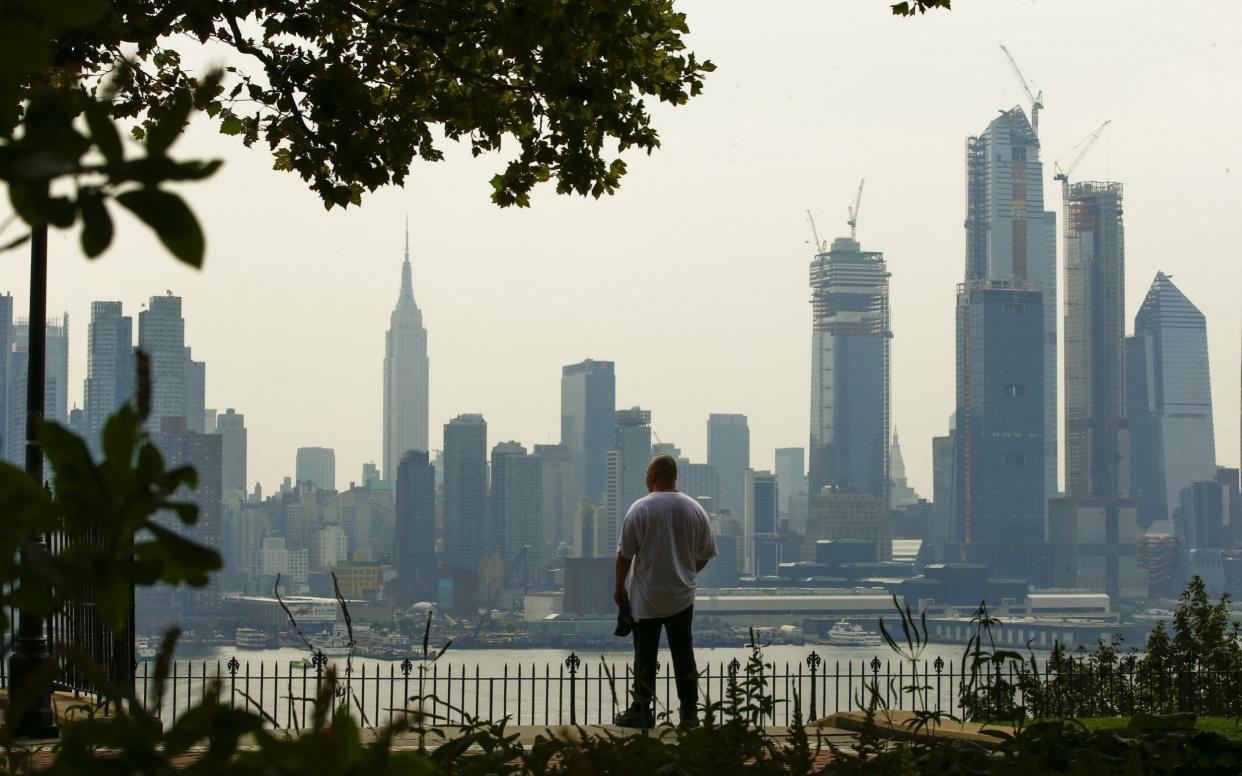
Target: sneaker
{"points": [[689, 721], [635, 718]]}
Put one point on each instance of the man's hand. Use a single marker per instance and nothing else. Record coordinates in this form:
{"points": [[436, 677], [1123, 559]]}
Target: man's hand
{"points": [[620, 596], [623, 569]]}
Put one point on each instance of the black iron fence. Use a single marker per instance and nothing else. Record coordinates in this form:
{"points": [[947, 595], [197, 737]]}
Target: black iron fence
{"points": [[581, 691]]}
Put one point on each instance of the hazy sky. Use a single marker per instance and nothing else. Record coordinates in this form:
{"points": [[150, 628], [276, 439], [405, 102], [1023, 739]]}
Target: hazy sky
{"points": [[694, 278]]}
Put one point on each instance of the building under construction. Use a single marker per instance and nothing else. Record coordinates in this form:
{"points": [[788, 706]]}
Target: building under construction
{"points": [[1096, 433], [849, 370]]}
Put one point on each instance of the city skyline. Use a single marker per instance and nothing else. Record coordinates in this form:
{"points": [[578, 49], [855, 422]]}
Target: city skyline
{"points": [[225, 300]]}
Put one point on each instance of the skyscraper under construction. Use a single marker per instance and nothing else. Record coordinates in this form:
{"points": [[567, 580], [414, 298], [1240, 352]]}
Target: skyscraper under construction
{"points": [[849, 370]]}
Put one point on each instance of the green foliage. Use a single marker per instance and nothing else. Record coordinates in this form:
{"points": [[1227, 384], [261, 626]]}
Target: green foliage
{"points": [[919, 7]]}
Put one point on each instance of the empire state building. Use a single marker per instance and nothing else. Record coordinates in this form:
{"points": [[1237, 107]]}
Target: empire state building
{"points": [[405, 376]]}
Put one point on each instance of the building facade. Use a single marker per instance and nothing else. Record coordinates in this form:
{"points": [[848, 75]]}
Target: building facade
{"points": [[588, 403], [728, 450], [626, 473], [1097, 442], [1168, 401], [414, 552], [517, 511], [110, 374], [406, 371], [850, 336], [761, 547], [178, 382], [316, 465], [465, 492], [231, 426]]}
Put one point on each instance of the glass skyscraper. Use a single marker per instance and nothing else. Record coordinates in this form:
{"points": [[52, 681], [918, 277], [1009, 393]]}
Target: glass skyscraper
{"points": [[110, 371], [849, 370], [588, 401], [728, 450], [465, 491], [1168, 401]]}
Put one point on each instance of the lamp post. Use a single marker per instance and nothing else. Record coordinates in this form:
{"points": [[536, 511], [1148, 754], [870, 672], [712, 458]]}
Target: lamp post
{"points": [[30, 663]]}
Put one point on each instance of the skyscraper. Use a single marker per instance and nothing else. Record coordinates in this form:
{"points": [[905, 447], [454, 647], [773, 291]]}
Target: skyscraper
{"points": [[405, 375], [177, 381], [760, 548], [1010, 238], [849, 369], [999, 467], [415, 550], [517, 510], [316, 465], [465, 491], [728, 449], [6, 410], [231, 426], [900, 494], [588, 401], [1097, 444], [109, 366], [790, 473], [559, 495], [626, 473], [55, 388], [1168, 401]]}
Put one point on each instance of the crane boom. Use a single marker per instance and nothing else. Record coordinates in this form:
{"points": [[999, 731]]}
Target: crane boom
{"points": [[1063, 174], [1037, 99], [820, 247], [853, 220]]}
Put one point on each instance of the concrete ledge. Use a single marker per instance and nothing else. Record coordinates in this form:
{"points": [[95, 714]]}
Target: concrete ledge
{"points": [[903, 726]]}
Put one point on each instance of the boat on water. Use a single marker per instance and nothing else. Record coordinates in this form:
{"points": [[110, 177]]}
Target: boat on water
{"points": [[252, 638], [848, 634], [336, 643], [145, 650]]}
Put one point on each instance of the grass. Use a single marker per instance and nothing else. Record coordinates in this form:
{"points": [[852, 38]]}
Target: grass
{"points": [[1225, 726]]}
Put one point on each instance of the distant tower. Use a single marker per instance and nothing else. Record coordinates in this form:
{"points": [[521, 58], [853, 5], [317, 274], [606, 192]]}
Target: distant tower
{"points": [[626, 480], [517, 510], [465, 492], [1097, 444], [728, 450], [1168, 401], [6, 347], [1011, 239], [177, 381], [55, 391], [415, 551], [316, 465], [850, 336], [900, 492], [761, 548], [588, 401], [231, 426], [405, 375], [109, 366]]}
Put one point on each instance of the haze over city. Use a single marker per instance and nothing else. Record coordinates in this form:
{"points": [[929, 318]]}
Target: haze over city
{"points": [[693, 279]]}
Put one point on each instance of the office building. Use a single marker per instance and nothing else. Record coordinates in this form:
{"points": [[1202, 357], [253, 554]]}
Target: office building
{"points": [[465, 495], [761, 507], [231, 426], [1201, 520], [178, 383], [943, 482], [414, 552], [517, 512], [700, 482], [588, 403], [791, 477], [900, 494], [728, 450], [625, 472], [317, 466], [182, 447], [1168, 401], [110, 374], [1094, 544], [999, 494], [405, 375], [1097, 444], [559, 495], [850, 335], [843, 513], [1011, 239]]}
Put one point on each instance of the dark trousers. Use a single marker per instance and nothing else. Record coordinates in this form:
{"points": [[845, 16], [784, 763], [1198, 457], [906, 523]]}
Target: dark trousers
{"points": [[679, 628]]}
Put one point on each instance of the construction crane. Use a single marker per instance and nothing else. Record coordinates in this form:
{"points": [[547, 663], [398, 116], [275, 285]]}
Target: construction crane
{"points": [[1085, 146], [1037, 100], [820, 247], [853, 219]]}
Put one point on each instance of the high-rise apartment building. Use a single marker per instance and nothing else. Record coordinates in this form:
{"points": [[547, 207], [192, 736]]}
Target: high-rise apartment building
{"points": [[182, 447], [517, 510], [465, 492], [1011, 239], [559, 495], [405, 376], [55, 386], [999, 495], [1168, 401], [231, 426], [728, 450], [626, 472], [588, 402], [110, 372], [1097, 444], [760, 548], [316, 465], [850, 336], [177, 381], [414, 553]]}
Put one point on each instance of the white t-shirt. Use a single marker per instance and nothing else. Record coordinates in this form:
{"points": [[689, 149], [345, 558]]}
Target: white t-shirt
{"points": [[666, 534]]}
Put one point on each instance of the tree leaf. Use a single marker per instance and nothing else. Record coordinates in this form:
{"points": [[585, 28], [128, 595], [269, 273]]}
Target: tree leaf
{"points": [[172, 221], [103, 133], [165, 131], [96, 223]]}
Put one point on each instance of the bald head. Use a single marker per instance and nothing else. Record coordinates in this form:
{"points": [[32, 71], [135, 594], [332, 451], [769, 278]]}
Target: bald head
{"points": [[662, 473]]}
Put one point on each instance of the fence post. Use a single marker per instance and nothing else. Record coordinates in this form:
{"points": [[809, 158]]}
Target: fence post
{"points": [[572, 663], [233, 665], [812, 662]]}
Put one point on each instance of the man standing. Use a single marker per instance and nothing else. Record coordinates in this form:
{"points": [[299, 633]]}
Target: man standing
{"points": [[665, 542]]}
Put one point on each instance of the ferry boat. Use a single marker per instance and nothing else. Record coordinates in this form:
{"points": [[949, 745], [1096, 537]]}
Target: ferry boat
{"points": [[848, 634], [251, 638], [334, 644], [144, 650]]}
